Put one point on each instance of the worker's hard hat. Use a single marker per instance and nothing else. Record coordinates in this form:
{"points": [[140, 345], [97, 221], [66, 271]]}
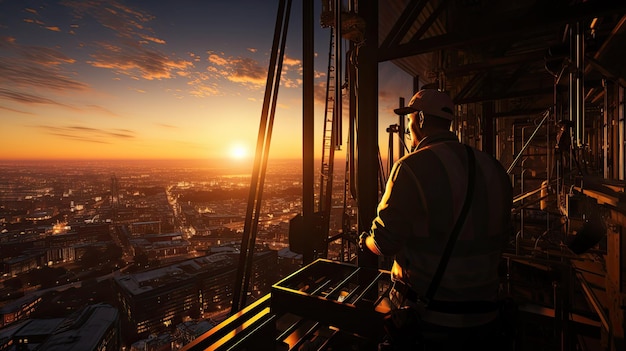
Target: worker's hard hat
{"points": [[430, 102]]}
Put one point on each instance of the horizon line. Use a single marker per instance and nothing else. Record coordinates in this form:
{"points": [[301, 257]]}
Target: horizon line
{"points": [[147, 159]]}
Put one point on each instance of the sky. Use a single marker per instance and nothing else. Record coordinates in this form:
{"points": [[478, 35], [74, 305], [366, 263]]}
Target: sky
{"points": [[167, 79]]}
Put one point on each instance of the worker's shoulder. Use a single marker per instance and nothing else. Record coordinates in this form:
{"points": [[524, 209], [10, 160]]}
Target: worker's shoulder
{"points": [[490, 165], [485, 156], [421, 155]]}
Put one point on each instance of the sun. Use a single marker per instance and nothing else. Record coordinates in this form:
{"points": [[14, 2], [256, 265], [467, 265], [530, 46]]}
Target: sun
{"points": [[238, 152]]}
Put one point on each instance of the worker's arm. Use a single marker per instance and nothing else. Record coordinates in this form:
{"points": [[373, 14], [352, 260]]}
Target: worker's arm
{"points": [[393, 224]]}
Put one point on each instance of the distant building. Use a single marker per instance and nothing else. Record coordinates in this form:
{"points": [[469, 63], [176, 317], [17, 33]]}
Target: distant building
{"points": [[22, 264], [149, 227], [155, 301], [40, 215], [25, 252], [288, 262], [202, 242], [153, 342], [18, 310], [220, 220], [60, 254], [94, 328], [188, 331], [185, 333], [161, 245]]}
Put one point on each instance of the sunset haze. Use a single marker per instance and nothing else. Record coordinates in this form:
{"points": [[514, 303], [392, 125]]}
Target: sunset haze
{"points": [[151, 80]]}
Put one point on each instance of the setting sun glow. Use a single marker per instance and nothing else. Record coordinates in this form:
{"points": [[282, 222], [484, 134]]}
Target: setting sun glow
{"points": [[78, 83], [238, 152]]}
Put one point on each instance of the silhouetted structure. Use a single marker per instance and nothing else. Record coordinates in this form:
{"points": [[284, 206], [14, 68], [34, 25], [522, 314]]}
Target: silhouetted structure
{"points": [[491, 59]]}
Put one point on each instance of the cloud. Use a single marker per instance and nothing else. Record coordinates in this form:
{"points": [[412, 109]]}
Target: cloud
{"points": [[319, 74], [88, 134], [166, 126], [246, 70], [102, 110], [122, 20], [242, 70], [38, 21], [32, 99], [27, 98], [78, 138], [41, 56], [200, 88], [290, 83], [319, 92], [35, 21], [138, 61], [289, 61], [121, 40], [152, 39], [35, 67], [217, 60], [128, 52], [14, 110]]}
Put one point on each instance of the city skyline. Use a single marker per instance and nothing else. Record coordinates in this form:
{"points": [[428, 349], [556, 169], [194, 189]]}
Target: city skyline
{"points": [[119, 236], [155, 80]]}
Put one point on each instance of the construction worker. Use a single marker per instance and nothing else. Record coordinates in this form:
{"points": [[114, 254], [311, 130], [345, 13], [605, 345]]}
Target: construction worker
{"points": [[424, 197]]}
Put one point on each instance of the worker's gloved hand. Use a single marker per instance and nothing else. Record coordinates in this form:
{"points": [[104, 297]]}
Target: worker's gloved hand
{"points": [[362, 239]]}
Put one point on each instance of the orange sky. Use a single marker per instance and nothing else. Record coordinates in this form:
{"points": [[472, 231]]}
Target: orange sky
{"points": [[109, 80]]}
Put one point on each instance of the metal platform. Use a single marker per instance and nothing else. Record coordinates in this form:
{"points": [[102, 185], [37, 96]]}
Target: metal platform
{"points": [[326, 305], [337, 294]]}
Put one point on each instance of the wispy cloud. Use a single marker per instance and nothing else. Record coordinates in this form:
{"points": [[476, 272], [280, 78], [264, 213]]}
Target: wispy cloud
{"points": [[241, 70], [130, 53], [102, 110], [35, 18], [319, 92], [35, 67], [137, 61], [34, 99], [27, 98], [291, 62], [123, 20], [88, 134], [217, 60], [246, 71], [201, 88], [122, 40], [166, 126], [14, 110]]}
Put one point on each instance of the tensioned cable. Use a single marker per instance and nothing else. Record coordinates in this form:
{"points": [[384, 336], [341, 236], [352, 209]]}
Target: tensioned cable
{"points": [[248, 240]]}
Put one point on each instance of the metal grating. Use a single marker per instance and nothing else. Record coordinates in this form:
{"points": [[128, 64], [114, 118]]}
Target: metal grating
{"points": [[341, 295]]}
